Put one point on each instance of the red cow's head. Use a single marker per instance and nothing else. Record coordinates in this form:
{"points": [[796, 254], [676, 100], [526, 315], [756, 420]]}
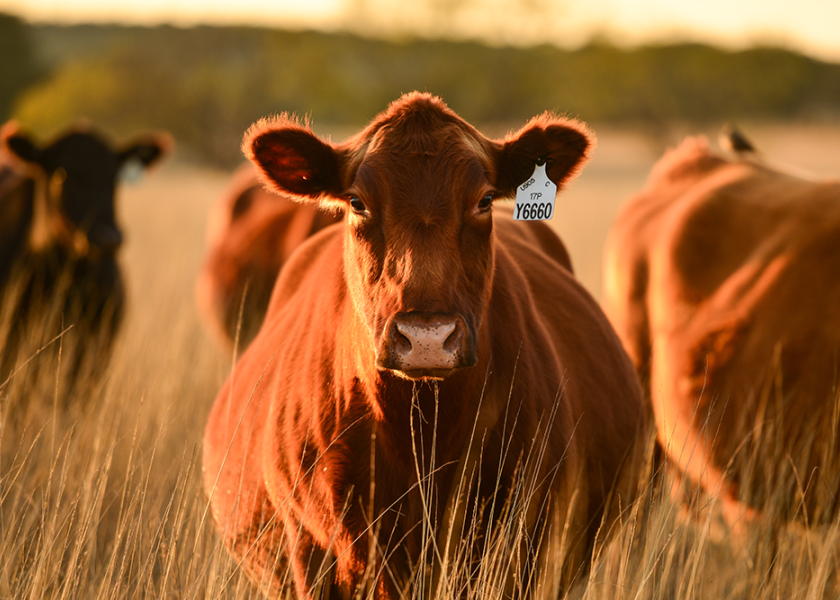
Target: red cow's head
{"points": [[417, 186]]}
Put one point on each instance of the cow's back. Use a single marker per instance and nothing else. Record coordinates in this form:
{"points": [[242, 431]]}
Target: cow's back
{"points": [[251, 234]]}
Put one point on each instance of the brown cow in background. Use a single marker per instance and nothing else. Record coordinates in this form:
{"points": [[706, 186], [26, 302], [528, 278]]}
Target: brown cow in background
{"points": [[251, 232], [58, 265], [722, 279], [425, 369]]}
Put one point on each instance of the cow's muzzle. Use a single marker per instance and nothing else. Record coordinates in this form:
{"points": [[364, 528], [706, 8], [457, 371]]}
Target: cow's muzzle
{"points": [[421, 345]]}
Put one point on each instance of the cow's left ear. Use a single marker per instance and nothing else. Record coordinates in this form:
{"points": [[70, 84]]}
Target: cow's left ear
{"points": [[147, 150], [565, 145], [291, 159]]}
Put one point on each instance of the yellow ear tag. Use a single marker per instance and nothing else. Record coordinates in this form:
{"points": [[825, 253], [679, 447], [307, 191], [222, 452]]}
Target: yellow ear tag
{"points": [[535, 197]]}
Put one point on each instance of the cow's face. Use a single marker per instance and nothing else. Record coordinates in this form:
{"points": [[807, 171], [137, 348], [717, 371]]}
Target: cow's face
{"points": [[418, 249], [418, 187], [81, 173]]}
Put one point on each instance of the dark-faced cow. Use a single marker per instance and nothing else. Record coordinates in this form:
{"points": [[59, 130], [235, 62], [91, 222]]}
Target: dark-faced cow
{"points": [[61, 238], [251, 232], [721, 279], [425, 367]]}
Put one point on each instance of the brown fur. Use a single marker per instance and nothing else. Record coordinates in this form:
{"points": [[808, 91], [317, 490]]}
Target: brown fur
{"points": [[312, 452], [721, 279], [251, 234]]}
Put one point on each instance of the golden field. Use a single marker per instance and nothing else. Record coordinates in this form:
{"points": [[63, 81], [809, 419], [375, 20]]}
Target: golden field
{"points": [[103, 498]]}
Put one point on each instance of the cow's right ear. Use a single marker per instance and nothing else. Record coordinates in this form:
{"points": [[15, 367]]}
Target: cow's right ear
{"points": [[22, 147], [290, 159]]}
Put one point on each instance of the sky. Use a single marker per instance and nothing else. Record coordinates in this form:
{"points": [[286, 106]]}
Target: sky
{"points": [[810, 26]]}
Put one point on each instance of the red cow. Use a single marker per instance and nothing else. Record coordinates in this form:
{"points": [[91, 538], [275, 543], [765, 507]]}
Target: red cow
{"points": [[251, 233], [425, 365], [61, 238], [721, 280]]}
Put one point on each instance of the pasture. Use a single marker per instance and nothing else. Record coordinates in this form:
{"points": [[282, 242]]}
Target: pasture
{"points": [[104, 499]]}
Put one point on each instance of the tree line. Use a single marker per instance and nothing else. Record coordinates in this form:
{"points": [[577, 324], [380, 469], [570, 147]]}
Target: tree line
{"points": [[207, 84]]}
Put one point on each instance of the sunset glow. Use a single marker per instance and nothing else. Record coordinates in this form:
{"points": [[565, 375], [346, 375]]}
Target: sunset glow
{"points": [[811, 27]]}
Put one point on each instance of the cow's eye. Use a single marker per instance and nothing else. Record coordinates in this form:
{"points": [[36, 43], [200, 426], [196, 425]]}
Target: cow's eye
{"points": [[485, 202], [357, 206]]}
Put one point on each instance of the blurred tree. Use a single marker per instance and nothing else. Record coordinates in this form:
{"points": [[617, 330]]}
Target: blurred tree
{"points": [[18, 65], [207, 84]]}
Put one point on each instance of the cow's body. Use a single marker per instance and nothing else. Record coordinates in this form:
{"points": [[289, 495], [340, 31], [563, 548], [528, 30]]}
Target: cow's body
{"points": [[721, 281], [60, 270], [250, 235], [16, 216], [314, 445]]}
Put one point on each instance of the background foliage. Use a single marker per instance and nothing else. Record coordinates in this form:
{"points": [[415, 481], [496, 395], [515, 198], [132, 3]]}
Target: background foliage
{"points": [[207, 84]]}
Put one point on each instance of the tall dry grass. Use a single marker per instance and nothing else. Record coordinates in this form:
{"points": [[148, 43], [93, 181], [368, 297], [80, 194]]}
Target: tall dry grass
{"points": [[102, 498], [100, 493]]}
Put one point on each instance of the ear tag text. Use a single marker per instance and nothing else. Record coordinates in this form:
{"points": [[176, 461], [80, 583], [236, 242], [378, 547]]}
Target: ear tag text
{"points": [[535, 197]]}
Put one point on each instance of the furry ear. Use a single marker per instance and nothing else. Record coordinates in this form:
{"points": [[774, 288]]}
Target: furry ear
{"points": [[565, 144], [292, 160]]}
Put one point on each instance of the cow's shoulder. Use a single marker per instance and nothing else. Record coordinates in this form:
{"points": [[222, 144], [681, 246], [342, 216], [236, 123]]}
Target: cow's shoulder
{"points": [[530, 280], [520, 255], [536, 233]]}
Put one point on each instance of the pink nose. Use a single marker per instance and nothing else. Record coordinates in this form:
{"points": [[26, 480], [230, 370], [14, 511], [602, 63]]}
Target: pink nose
{"points": [[426, 344]]}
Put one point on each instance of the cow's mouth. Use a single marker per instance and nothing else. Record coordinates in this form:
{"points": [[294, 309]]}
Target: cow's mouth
{"points": [[424, 374]]}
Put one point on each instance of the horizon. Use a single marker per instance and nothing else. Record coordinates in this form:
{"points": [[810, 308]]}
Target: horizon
{"points": [[719, 23]]}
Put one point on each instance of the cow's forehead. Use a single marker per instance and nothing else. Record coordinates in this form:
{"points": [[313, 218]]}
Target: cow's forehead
{"points": [[422, 124], [420, 137], [440, 153], [78, 149], [455, 167]]}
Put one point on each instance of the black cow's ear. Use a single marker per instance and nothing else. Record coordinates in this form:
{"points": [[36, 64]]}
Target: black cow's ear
{"points": [[292, 160], [564, 144], [147, 150], [24, 148]]}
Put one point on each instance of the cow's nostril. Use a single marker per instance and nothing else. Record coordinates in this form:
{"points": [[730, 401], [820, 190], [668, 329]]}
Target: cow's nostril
{"points": [[401, 343], [454, 341]]}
